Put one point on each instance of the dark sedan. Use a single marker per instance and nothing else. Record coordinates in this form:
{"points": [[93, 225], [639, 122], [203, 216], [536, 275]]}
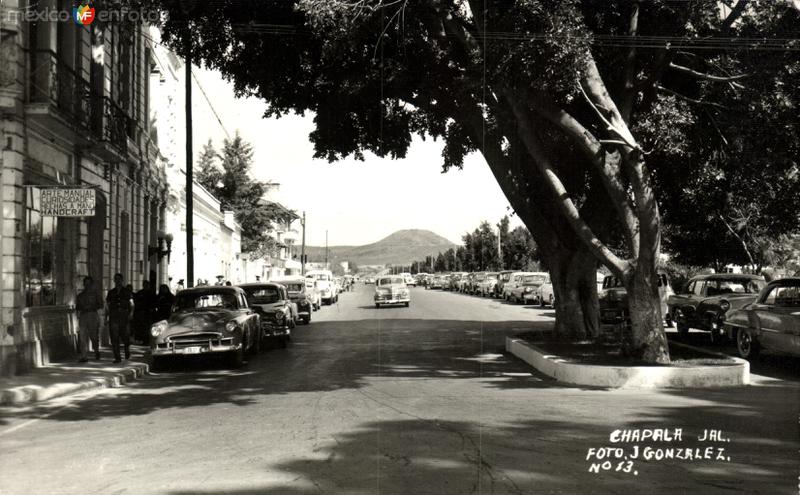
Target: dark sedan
{"points": [[271, 301], [207, 320]]}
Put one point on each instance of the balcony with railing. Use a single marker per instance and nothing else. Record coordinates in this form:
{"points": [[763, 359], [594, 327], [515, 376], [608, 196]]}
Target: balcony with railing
{"points": [[66, 103]]}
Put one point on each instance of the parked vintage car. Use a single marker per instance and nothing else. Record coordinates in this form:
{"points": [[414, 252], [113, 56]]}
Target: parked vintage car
{"points": [[525, 288], [545, 294], [325, 284], [300, 296], [207, 320], [436, 282], [391, 289], [513, 281], [707, 299], [313, 294], [771, 322], [488, 285], [612, 298], [455, 281], [464, 282], [502, 277], [271, 301]]}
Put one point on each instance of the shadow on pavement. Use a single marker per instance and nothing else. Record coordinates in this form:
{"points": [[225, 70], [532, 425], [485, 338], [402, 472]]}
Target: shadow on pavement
{"points": [[431, 456]]}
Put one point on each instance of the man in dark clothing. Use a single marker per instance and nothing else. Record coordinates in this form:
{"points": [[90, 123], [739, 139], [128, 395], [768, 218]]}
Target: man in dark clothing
{"points": [[87, 303], [144, 302], [120, 309]]}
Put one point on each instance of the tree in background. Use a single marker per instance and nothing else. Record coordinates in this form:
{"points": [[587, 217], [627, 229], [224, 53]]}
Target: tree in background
{"points": [[230, 182], [519, 250]]}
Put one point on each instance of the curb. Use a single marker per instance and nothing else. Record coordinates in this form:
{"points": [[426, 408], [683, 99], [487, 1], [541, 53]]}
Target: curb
{"points": [[738, 373], [29, 394]]}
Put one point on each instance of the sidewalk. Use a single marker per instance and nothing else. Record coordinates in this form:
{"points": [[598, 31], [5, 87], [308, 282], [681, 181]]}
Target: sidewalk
{"points": [[70, 377]]}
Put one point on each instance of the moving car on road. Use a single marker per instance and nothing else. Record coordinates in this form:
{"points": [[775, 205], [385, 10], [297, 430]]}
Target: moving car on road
{"points": [[207, 320], [271, 301], [771, 322], [391, 289], [707, 299]]}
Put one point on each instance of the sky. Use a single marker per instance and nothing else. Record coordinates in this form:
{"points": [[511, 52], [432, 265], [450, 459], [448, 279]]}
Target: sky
{"points": [[355, 202]]}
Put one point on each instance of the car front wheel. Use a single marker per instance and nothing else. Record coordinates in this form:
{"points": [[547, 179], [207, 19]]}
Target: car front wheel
{"points": [[746, 344], [237, 357]]}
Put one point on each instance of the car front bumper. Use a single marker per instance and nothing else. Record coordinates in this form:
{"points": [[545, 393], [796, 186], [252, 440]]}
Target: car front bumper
{"points": [[223, 345]]}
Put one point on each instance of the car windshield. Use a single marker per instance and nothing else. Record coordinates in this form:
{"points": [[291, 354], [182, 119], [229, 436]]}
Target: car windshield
{"points": [[534, 279], [734, 286], [390, 281], [294, 287], [262, 295], [205, 300]]}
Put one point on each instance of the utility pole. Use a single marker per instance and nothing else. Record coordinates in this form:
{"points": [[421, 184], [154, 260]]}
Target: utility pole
{"points": [[499, 248], [303, 249], [189, 175], [326, 251]]}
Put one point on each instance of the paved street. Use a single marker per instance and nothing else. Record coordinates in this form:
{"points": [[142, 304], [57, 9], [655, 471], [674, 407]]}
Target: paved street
{"points": [[418, 400]]}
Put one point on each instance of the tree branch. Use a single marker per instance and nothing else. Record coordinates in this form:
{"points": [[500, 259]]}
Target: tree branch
{"points": [[702, 75], [609, 172], [629, 87], [563, 201], [690, 100]]}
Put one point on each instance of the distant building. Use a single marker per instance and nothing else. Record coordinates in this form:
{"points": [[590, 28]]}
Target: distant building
{"points": [[284, 260]]}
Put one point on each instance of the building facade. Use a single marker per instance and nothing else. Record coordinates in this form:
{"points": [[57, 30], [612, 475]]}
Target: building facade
{"points": [[74, 113]]}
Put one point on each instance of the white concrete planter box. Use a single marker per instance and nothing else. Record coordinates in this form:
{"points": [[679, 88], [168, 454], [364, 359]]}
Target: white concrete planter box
{"points": [[737, 373]]}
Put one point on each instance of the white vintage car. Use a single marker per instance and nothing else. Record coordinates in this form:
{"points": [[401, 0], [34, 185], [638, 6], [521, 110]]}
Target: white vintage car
{"points": [[325, 284], [391, 289]]}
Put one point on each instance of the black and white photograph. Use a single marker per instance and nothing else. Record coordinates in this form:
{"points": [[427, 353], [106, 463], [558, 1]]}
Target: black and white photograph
{"points": [[400, 247]]}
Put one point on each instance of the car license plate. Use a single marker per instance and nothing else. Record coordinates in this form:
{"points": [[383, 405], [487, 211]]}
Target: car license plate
{"points": [[191, 350]]}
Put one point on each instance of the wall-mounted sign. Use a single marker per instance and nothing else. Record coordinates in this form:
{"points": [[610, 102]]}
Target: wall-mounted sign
{"points": [[67, 202]]}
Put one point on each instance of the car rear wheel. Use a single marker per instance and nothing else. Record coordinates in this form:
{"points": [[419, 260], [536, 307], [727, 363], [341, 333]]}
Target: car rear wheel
{"points": [[746, 344]]}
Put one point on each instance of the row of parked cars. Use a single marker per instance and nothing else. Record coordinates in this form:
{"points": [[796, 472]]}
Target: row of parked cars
{"points": [[510, 285], [742, 308], [240, 320]]}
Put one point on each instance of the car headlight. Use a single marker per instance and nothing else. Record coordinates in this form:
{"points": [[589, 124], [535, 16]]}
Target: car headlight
{"points": [[158, 328], [724, 305], [230, 326]]}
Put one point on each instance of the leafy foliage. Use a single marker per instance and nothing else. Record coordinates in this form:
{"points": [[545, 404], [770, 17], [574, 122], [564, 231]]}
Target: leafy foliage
{"points": [[237, 191]]}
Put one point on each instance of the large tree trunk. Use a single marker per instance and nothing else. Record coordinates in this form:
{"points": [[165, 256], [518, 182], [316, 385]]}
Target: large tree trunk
{"points": [[649, 341], [575, 291]]}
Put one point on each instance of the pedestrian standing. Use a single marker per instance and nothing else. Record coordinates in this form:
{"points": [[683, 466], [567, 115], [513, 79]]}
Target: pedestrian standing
{"points": [[120, 310], [163, 304], [144, 303], [88, 302]]}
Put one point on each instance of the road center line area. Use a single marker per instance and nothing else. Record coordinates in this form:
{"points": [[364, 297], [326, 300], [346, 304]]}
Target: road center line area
{"points": [[398, 400]]}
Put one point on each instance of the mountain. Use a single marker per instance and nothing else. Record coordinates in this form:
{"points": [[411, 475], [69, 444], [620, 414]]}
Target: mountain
{"points": [[401, 247]]}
